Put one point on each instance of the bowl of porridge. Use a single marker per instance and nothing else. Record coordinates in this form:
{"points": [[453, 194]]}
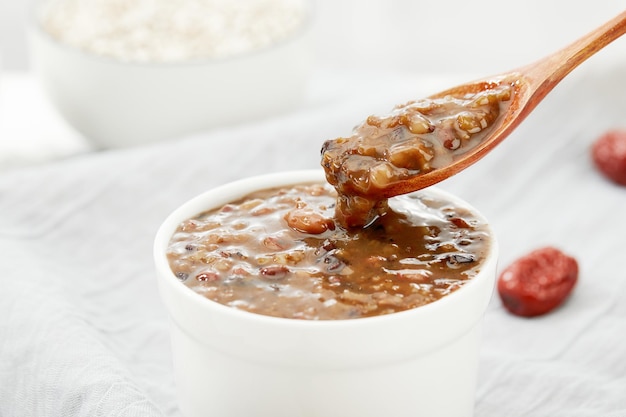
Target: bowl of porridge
{"points": [[130, 72], [277, 309]]}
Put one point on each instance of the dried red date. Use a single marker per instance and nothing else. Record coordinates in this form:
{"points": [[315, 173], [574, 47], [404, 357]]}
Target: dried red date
{"points": [[609, 155], [538, 282]]}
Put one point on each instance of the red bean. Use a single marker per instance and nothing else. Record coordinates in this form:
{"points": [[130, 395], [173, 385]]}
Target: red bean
{"points": [[537, 283], [274, 271], [207, 276]]}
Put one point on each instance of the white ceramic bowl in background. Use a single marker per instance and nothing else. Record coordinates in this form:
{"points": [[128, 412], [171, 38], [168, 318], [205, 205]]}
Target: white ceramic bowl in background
{"points": [[228, 362], [119, 104]]}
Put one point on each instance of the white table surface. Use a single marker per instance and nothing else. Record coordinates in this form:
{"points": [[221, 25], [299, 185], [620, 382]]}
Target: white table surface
{"points": [[82, 329]]}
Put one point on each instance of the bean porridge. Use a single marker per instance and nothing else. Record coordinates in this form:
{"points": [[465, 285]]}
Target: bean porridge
{"points": [[413, 139], [281, 252], [344, 249]]}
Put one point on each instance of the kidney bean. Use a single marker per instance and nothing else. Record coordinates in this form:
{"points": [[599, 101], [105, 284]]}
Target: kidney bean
{"points": [[537, 283]]}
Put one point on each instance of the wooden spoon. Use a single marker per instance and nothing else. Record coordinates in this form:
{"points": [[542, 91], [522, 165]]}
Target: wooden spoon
{"points": [[530, 84]]}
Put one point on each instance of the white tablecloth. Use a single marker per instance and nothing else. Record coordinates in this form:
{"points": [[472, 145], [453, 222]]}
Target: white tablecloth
{"points": [[82, 329]]}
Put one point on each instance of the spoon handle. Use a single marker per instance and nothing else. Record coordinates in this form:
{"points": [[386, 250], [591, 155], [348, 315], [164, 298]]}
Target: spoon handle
{"points": [[549, 71]]}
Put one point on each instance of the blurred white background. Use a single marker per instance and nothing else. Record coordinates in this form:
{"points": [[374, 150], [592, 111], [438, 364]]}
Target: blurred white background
{"points": [[452, 36], [356, 39]]}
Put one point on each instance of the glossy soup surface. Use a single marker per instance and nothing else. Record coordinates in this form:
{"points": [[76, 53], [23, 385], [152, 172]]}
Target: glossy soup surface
{"points": [[280, 252]]}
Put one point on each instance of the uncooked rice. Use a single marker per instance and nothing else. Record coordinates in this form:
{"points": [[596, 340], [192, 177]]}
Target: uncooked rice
{"points": [[171, 30]]}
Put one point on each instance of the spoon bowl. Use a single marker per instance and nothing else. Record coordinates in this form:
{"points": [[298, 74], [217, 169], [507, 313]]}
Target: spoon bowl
{"points": [[530, 85]]}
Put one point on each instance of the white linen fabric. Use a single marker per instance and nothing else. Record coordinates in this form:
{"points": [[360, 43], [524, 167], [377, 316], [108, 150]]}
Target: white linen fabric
{"points": [[82, 328]]}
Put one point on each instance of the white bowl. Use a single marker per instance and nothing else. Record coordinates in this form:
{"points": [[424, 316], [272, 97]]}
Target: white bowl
{"points": [[121, 104], [228, 362]]}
